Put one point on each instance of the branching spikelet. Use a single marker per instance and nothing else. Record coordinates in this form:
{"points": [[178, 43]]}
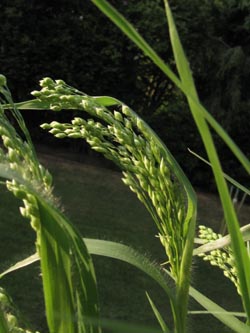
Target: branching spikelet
{"points": [[126, 139], [20, 156], [222, 258]]}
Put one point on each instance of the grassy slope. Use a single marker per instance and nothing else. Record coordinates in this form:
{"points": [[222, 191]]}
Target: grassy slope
{"points": [[102, 207]]}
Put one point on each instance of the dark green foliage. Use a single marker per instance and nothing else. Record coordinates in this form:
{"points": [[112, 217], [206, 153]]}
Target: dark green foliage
{"points": [[72, 40], [216, 37]]}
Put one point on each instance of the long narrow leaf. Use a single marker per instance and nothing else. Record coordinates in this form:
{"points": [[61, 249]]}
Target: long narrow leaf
{"points": [[120, 326], [23, 263], [240, 252], [158, 316], [205, 247], [236, 314], [120, 252], [228, 178], [67, 269], [133, 35], [75, 283], [124, 253], [56, 281], [127, 254], [32, 104], [217, 311]]}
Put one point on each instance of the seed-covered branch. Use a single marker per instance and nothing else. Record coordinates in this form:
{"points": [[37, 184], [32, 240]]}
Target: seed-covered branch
{"points": [[123, 137], [222, 258]]}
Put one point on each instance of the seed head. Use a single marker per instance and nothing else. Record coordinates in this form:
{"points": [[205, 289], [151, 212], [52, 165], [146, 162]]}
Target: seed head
{"points": [[47, 82]]}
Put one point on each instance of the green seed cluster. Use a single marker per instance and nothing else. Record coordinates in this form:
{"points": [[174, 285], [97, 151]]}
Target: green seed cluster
{"points": [[58, 95], [222, 258], [19, 156], [124, 138], [11, 319]]}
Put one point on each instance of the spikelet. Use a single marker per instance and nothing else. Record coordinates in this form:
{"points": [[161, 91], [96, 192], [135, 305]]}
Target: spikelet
{"points": [[19, 155], [222, 258], [125, 138]]}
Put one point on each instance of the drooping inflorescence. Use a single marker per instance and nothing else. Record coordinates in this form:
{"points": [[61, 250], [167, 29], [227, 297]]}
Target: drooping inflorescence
{"points": [[19, 156], [222, 258], [67, 271], [123, 137]]}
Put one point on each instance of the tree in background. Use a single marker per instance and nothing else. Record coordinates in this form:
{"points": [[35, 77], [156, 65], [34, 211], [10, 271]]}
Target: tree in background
{"points": [[216, 37], [75, 42]]}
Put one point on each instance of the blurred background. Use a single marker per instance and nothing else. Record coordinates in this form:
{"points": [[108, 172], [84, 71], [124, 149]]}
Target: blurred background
{"points": [[73, 41]]}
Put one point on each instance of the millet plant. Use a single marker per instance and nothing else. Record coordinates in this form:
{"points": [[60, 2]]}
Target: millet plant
{"points": [[149, 169]]}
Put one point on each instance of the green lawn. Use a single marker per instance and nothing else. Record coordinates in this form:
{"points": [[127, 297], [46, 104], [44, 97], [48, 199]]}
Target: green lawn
{"points": [[102, 207]]}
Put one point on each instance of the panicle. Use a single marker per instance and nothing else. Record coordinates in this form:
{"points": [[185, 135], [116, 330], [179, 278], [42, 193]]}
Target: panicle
{"points": [[222, 258], [125, 138]]}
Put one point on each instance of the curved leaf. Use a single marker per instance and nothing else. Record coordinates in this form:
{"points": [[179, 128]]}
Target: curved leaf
{"points": [[67, 271], [21, 264], [68, 274], [124, 253], [240, 252], [134, 35], [128, 255]]}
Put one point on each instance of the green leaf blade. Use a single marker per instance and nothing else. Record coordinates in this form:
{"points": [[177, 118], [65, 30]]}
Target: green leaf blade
{"points": [[240, 252], [77, 284], [158, 316], [217, 311]]}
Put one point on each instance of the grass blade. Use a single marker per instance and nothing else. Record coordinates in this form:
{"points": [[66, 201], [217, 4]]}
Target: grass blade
{"points": [[228, 178], [55, 267], [68, 276], [33, 104], [115, 251], [129, 255], [20, 264], [60, 245], [120, 252], [217, 311], [133, 35], [119, 326], [158, 316], [205, 247], [240, 252], [126, 254], [236, 314], [67, 269]]}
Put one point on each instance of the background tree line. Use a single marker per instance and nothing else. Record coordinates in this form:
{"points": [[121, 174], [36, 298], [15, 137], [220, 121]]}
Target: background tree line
{"points": [[72, 40]]}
